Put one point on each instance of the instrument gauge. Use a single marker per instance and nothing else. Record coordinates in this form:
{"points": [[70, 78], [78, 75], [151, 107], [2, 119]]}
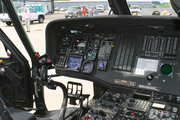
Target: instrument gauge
{"points": [[66, 41], [91, 54], [87, 67], [95, 43], [102, 65], [78, 46]]}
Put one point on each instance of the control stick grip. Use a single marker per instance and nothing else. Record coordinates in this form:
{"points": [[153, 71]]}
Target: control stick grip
{"points": [[43, 75], [45, 62]]}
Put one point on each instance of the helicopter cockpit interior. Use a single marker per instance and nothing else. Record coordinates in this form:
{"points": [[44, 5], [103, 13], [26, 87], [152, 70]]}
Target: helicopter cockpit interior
{"points": [[133, 62]]}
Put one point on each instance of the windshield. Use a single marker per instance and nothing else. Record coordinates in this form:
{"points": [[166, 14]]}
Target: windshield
{"points": [[99, 6], [151, 8]]}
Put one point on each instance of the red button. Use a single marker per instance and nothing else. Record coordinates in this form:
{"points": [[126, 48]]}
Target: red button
{"points": [[86, 117], [132, 114]]}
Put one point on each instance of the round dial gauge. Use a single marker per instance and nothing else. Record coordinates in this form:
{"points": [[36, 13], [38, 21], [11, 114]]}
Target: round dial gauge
{"points": [[95, 43], [91, 54], [66, 41], [88, 67]]}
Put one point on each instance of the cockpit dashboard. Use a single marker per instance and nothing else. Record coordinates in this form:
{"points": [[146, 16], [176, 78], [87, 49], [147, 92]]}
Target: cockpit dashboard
{"points": [[136, 58], [123, 52]]}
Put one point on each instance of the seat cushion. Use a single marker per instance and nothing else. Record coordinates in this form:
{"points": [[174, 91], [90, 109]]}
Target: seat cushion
{"points": [[21, 114], [53, 115]]}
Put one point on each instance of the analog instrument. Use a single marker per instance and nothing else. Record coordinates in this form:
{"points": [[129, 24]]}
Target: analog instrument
{"points": [[66, 41], [87, 67], [102, 65], [95, 43], [91, 54], [78, 46]]}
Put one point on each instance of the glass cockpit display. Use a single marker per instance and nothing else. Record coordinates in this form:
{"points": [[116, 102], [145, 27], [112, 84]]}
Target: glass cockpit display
{"points": [[74, 63]]}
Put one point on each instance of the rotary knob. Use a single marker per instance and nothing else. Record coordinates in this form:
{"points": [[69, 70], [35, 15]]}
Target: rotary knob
{"points": [[175, 109], [161, 114], [167, 114], [156, 112], [151, 111], [132, 100], [173, 115], [150, 77], [152, 117], [178, 99]]}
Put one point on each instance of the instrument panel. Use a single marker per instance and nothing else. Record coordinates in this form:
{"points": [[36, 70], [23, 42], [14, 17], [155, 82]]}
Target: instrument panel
{"points": [[127, 53], [81, 53]]}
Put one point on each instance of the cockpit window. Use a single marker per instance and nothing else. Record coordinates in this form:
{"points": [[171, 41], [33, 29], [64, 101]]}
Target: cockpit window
{"points": [[151, 8]]}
